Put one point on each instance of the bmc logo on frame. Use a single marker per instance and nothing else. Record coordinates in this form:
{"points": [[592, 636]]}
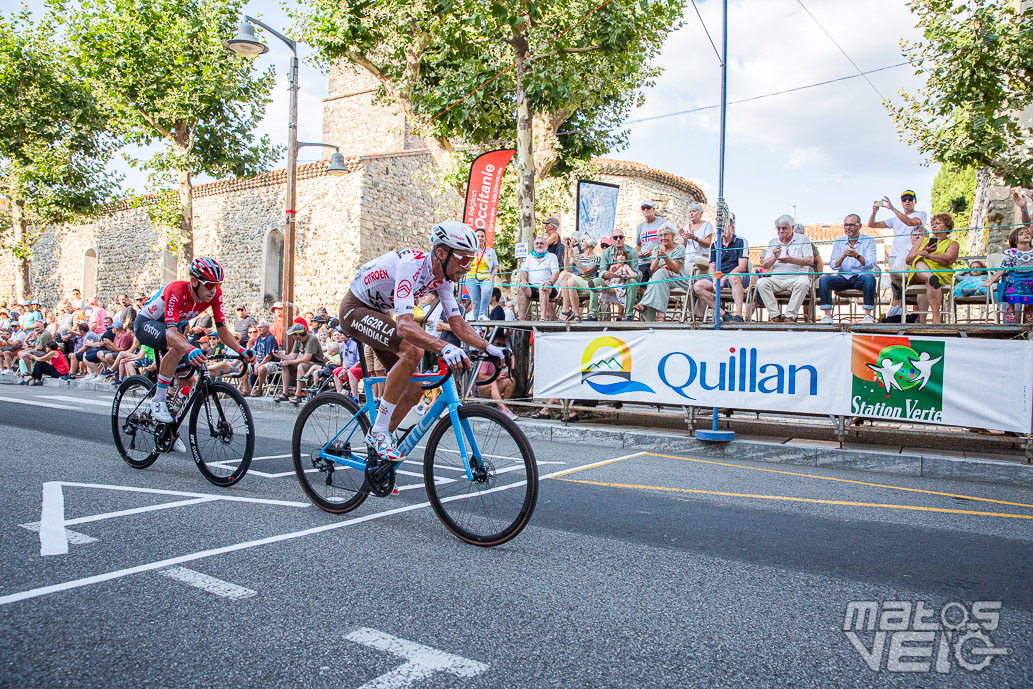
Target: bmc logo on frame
{"points": [[910, 636]]}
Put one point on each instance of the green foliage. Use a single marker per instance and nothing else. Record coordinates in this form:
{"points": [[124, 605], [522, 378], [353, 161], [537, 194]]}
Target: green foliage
{"points": [[160, 68], [954, 191], [53, 140], [977, 56], [430, 54]]}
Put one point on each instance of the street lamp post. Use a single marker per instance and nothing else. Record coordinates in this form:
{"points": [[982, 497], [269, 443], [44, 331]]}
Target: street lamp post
{"points": [[246, 44]]}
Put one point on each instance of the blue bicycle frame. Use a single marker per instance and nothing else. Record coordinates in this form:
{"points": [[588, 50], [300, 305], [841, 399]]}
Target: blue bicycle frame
{"points": [[448, 399]]}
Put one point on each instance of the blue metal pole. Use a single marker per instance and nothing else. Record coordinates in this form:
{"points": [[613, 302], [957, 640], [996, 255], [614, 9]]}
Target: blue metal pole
{"points": [[721, 215]]}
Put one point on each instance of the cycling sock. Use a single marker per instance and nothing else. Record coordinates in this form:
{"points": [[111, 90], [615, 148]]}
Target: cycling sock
{"points": [[383, 422], [163, 388]]}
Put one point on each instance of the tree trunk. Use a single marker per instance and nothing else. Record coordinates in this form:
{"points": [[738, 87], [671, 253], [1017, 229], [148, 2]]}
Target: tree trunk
{"points": [[524, 147], [186, 200], [546, 143], [22, 286]]}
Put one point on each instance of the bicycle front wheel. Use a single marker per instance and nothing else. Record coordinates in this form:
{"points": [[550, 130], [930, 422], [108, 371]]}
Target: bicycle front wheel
{"points": [[222, 434], [331, 425], [131, 422], [496, 504]]}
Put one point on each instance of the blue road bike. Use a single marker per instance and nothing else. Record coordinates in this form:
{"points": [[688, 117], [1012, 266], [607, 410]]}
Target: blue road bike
{"points": [[479, 470]]}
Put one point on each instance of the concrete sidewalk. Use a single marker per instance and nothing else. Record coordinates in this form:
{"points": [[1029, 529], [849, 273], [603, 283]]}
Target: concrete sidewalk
{"points": [[988, 467]]}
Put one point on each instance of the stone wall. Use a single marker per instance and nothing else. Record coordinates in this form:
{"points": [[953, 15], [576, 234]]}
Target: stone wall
{"points": [[341, 223], [354, 122]]}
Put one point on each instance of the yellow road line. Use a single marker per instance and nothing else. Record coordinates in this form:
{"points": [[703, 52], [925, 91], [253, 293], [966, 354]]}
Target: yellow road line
{"points": [[790, 499], [843, 480]]}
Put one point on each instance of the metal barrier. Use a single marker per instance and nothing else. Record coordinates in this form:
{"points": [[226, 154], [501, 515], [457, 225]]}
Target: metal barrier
{"points": [[841, 429]]}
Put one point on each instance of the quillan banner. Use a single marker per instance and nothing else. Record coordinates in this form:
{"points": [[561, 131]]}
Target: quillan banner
{"points": [[959, 382]]}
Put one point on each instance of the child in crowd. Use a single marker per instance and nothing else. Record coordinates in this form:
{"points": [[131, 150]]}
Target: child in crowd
{"points": [[1017, 271], [615, 293], [971, 282]]}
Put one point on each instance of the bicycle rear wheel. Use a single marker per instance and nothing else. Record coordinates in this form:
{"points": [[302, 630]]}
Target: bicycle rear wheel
{"points": [[498, 502], [224, 443], [334, 425], [131, 422]]}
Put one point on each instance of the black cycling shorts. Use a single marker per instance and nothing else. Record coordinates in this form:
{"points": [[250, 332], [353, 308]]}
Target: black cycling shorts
{"points": [[371, 327], [151, 333]]}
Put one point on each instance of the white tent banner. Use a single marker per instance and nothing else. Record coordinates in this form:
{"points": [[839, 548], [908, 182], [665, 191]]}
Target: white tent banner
{"points": [[963, 382]]}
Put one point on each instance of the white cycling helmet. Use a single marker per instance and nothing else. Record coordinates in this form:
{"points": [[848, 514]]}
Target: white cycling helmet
{"points": [[455, 235]]}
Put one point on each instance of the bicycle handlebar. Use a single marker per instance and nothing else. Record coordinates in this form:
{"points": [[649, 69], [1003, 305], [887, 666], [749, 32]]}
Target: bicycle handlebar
{"points": [[474, 356]]}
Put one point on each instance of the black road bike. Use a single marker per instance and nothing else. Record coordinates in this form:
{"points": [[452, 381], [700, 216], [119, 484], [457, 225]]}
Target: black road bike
{"points": [[221, 430]]}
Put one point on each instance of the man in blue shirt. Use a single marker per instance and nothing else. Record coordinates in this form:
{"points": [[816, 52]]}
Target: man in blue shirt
{"points": [[732, 263], [853, 257]]}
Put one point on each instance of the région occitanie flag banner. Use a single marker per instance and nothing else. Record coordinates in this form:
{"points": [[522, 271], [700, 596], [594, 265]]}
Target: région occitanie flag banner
{"points": [[482, 191]]}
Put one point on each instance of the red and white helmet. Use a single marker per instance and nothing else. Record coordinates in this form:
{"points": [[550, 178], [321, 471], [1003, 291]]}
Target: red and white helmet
{"points": [[206, 270], [455, 235]]}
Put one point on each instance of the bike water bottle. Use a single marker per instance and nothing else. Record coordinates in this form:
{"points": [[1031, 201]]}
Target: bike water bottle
{"points": [[180, 399]]}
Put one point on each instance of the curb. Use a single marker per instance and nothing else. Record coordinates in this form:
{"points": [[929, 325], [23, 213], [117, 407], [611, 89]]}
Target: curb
{"points": [[928, 465]]}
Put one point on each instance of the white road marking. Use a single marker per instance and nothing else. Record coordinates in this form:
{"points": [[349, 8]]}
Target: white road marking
{"points": [[77, 400], [269, 540], [33, 403], [53, 537], [421, 661], [73, 537], [207, 583]]}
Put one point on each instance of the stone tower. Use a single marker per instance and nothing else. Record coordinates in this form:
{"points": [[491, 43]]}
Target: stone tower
{"points": [[354, 122]]}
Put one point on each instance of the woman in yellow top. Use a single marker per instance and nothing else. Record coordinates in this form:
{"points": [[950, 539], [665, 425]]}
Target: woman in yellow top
{"points": [[932, 264], [481, 277]]}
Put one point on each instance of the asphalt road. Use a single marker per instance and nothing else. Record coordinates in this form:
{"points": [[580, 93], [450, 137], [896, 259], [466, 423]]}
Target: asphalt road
{"points": [[648, 571]]}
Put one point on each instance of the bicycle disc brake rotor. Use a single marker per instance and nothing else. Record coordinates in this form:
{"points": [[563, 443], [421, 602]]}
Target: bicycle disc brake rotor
{"points": [[380, 477], [483, 473]]}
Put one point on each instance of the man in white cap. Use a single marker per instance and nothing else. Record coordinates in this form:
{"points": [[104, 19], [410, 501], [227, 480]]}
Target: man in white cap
{"points": [[647, 236]]}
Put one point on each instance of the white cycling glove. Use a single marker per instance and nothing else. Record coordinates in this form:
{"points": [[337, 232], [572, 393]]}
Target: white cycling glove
{"points": [[497, 352], [453, 355]]}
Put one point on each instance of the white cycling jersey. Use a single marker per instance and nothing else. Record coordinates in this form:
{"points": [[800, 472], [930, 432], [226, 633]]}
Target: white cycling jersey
{"points": [[397, 279]]}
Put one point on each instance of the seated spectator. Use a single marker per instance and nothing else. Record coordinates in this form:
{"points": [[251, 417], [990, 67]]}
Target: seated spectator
{"points": [[31, 316], [535, 280], [305, 352], [121, 341], [733, 261], [35, 344], [698, 235], [91, 357], [12, 343], [76, 366], [932, 264], [918, 236], [1017, 271], [622, 274], [970, 283], [668, 263], [499, 389], [267, 359], [126, 360], [496, 306], [853, 259], [579, 278], [789, 257], [350, 370], [607, 272], [52, 363]]}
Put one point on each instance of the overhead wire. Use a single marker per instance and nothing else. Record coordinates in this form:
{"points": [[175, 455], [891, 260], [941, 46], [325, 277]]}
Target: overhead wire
{"points": [[800, 2], [707, 32]]}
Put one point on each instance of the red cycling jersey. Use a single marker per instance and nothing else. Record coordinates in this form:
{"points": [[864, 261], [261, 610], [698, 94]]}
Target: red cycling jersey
{"points": [[173, 304]]}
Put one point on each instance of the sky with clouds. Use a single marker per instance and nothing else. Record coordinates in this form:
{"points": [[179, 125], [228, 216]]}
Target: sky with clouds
{"points": [[830, 150]]}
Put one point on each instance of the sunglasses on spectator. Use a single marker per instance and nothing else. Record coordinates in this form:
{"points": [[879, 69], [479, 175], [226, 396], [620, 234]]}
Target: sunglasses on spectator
{"points": [[907, 198], [781, 227], [646, 207], [852, 224]]}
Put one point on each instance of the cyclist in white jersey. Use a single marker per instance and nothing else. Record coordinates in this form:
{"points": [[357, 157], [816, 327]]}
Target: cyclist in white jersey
{"points": [[393, 282]]}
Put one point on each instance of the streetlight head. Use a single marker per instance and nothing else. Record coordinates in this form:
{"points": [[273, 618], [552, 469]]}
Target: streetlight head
{"points": [[245, 43], [337, 166]]}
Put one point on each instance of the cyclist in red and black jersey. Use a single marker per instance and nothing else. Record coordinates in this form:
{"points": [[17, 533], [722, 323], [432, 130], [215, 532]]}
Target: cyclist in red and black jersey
{"points": [[160, 322]]}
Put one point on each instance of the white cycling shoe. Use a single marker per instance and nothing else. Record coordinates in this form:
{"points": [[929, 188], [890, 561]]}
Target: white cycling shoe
{"points": [[384, 445], [160, 412], [178, 446]]}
